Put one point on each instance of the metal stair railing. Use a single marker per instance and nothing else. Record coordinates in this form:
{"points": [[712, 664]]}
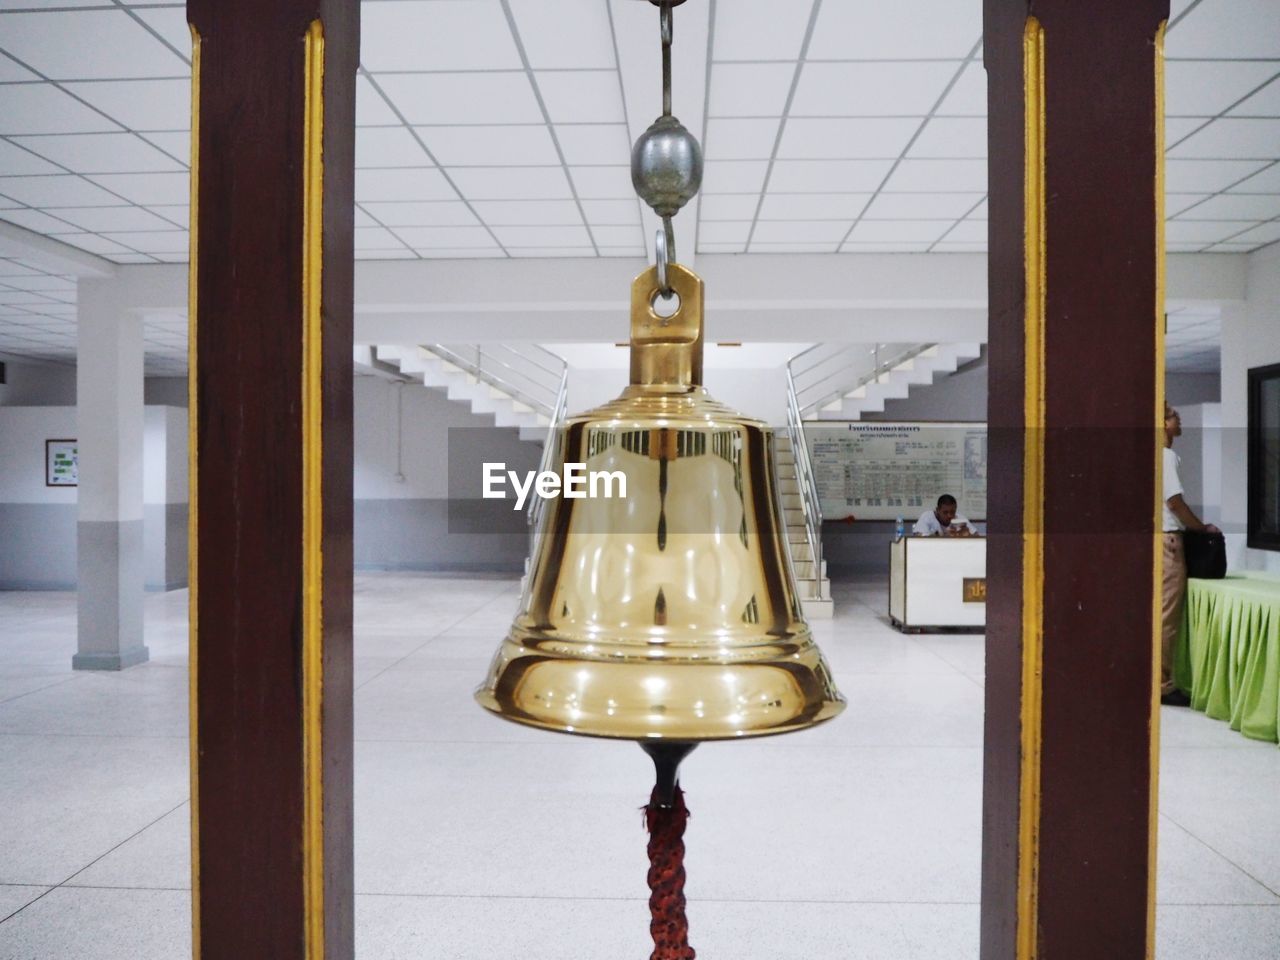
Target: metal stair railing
{"points": [[807, 483], [825, 373], [531, 375], [550, 453]]}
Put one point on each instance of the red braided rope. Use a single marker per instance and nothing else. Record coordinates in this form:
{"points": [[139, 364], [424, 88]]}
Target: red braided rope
{"points": [[669, 926]]}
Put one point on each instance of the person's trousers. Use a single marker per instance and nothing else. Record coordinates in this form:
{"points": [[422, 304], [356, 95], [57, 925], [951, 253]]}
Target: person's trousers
{"points": [[1172, 596]]}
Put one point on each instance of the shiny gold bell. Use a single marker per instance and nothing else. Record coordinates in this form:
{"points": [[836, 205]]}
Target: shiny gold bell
{"points": [[670, 612]]}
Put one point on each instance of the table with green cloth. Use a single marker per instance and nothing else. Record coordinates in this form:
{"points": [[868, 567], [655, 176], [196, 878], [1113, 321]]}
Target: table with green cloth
{"points": [[1228, 653]]}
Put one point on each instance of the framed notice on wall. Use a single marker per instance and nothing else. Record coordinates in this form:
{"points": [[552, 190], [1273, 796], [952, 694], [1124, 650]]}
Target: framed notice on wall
{"points": [[60, 464]]}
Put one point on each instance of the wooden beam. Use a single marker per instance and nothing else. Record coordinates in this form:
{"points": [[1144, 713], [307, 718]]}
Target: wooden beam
{"points": [[1076, 319], [271, 512]]}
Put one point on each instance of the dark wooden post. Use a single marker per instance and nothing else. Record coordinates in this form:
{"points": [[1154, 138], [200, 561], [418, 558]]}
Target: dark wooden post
{"points": [[271, 331], [1076, 303]]}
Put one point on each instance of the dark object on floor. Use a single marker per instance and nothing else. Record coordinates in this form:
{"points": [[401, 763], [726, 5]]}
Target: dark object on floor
{"points": [[1175, 699], [1206, 554]]}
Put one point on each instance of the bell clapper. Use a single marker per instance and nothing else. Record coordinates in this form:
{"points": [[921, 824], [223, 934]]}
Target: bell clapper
{"points": [[666, 756]]}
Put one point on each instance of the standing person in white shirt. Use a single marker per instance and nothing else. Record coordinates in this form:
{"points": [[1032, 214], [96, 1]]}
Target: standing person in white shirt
{"points": [[943, 521], [1177, 517]]}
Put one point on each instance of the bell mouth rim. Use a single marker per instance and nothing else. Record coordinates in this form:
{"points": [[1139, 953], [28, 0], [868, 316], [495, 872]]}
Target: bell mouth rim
{"points": [[828, 710]]}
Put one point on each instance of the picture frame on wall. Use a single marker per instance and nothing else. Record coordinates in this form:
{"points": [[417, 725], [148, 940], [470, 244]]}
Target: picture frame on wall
{"points": [[61, 463], [1264, 458]]}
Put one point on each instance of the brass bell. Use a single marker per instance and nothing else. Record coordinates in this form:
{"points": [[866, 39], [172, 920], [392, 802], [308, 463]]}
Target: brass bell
{"points": [[671, 613]]}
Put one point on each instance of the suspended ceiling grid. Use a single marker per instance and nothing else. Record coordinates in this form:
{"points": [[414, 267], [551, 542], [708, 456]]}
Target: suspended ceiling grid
{"points": [[829, 127]]}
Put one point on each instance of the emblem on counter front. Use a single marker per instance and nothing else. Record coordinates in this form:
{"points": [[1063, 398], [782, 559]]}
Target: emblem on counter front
{"points": [[975, 589]]}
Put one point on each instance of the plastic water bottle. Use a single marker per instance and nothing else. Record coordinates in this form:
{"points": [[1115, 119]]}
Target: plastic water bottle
{"points": [[899, 531]]}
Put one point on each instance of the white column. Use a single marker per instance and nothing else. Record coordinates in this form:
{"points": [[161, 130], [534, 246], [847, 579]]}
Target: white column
{"points": [[109, 532]]}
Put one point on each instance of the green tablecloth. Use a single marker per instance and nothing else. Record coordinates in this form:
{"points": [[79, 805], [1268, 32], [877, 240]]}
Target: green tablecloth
{"points": [[1228, 656]]}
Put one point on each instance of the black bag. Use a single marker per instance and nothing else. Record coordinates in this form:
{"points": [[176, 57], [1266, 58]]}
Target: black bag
{"points": [[1206, 554]]}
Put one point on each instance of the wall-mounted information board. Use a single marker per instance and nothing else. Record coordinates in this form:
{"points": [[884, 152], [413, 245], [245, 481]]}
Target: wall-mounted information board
{"points": [[878, 471]]}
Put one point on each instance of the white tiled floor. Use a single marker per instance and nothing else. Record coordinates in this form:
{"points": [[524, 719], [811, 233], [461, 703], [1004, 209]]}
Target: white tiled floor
{"points": [[478, 839]]}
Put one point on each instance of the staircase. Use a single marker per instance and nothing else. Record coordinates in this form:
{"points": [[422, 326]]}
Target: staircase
{"points": [[810, 570], [518, 388], [894, 379]]}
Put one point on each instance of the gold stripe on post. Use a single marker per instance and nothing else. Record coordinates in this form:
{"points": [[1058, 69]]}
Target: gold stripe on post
{"points": [[312, 494], [1157, 553], [1032, 489], [193, 489]]}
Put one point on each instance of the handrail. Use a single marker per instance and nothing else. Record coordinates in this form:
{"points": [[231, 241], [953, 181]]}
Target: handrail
{"points": [[878, 369], [476, 369], [805, 480], [550, 452]]}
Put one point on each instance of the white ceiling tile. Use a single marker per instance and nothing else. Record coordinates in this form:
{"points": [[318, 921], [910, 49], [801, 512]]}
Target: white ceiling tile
{"points": [[56, 191], [101, 153], [881, 246], [728, 176], [620, 213], [439, 213], [376, 238], [605, 236], [968, 98], [575, 34], [1233, 247], [97, 219], [168, 21], [12, 268], [845, 139], [760, 29], [749, 89], [171, 257], [969, 231], [489, 146], [421, 237], [145, 188], [740, 139], [461, 253], [87, 44], [93, 243], [628, 251], [176, 144], [1206, 231], [16, 162], [402, 253], [1176, 203], [728, 206], [921, 206], [388, 147], [952, 137], [828, 176], [1206, 176], [1265, 181], [154, 242], [436, 35], [140, 104], [1240, 206], [1204, 88], [512, 183], [724, 231], [791, 247], [558, 236], [547, 252], [444, 98], [844, 207], [979, 212], [870, 89], [362, 219], [933, 176], [594, 143], [1177, 129], [857, 29], [1264, 103], [900, 230], [416, 184], [1233, 139], [606, 183], [43, 108], [581, 96], [41, 282], [947, 246], [371, 109], [1266, 233], [34, 220], [11, 72], [1225, 29], [518, 213], [801, 231]]}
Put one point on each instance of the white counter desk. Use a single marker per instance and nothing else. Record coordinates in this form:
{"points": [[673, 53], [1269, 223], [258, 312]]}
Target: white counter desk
{"points": [[938, 583]]}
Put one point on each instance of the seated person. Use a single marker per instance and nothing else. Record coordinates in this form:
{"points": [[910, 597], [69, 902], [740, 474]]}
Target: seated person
{"points": [[942, 521]]}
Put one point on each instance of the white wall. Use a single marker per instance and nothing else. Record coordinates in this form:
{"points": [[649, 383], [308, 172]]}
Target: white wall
{"points": [[23, 431], [33, 384], [1250, 338], [1200, 452]]}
